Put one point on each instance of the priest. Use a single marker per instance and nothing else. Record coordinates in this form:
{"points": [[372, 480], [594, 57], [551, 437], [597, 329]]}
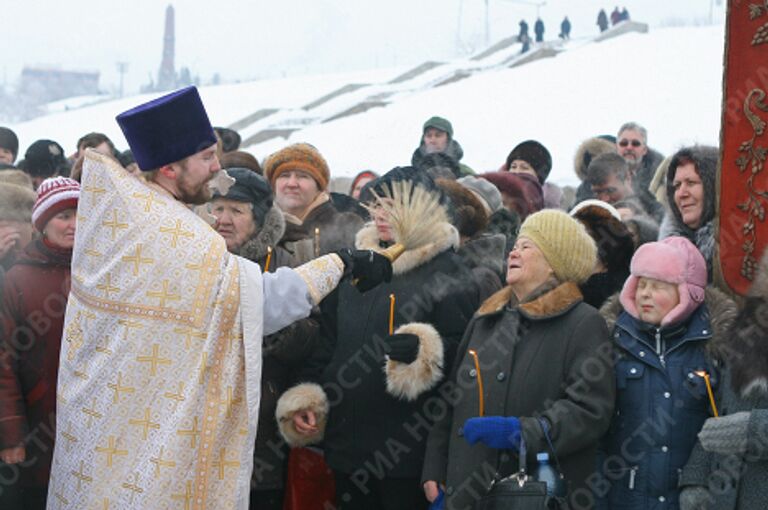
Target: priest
{"points": [[158, 388]]}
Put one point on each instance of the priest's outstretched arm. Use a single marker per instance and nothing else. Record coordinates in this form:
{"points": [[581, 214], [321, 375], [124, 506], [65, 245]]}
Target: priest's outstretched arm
{"points": [[290, 294]]}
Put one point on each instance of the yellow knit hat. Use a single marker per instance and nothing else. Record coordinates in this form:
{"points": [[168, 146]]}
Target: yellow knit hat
{"points": [[299, 156], [565, 243]]}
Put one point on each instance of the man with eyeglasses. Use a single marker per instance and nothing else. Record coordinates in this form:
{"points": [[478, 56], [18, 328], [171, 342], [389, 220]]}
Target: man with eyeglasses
{"points": [[632, 145]]}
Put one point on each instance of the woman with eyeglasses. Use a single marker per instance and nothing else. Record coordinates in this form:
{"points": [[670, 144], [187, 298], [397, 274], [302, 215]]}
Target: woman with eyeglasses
{"points": [[691, 195]]}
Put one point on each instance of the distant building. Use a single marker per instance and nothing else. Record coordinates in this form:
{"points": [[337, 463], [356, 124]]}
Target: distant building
{"points": [[46, 85]]}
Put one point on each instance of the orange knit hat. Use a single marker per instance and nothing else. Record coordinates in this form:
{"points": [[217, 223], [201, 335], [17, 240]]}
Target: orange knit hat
{"points": [[299, 156]]}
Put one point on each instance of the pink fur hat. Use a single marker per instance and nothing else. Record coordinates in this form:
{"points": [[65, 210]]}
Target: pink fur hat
{"points": [[673, 260]]}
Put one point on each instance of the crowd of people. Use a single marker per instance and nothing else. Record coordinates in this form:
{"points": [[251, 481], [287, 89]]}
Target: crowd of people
{"points": [[588, 313]]}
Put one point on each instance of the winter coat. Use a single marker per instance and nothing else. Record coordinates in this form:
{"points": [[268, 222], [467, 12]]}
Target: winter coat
{"points": [[282, 353], [453, 149], [740, 482], [538, 29], [602, 20], [661, 403], [547, 357], [378, 410], [34, 301], [337, 230]]}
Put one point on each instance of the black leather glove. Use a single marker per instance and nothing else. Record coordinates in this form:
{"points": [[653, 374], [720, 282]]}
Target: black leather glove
{"points": [[402, 347], [367, 268]]}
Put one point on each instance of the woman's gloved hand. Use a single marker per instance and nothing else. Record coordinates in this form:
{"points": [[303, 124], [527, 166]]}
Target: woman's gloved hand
{"points": [[500, 432], [402, 347], [726, 435]]}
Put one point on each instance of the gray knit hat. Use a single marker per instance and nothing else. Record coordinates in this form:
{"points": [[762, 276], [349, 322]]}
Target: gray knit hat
{"points": [[484, 190]]}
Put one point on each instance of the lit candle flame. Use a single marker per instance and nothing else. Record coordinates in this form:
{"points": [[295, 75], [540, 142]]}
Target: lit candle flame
{"points": [[702, 373], [391, 314]]}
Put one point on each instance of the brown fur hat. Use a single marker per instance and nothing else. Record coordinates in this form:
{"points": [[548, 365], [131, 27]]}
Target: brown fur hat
{"points": [[17, 177], [16, 203], [469, 213], [589, 150], [241, 159]]}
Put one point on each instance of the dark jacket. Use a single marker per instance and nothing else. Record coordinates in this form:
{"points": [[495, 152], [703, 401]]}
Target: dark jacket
{"points": [[548, 357], [368, 427], [34, 301], [453, 149], [282, 354], [740, 482], [661, 403], [336, 230]]}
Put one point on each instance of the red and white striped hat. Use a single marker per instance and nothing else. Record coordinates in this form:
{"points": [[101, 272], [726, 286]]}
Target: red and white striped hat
{"points": [[53, 196]]}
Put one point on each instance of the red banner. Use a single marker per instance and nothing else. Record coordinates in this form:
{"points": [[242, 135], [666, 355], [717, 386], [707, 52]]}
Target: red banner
{"points": [[743, 176]]}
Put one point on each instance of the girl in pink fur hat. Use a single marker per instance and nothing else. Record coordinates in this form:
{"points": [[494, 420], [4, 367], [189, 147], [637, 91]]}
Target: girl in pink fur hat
{"points": [[665, 326]]}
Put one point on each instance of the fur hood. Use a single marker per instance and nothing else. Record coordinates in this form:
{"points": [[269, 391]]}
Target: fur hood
{"points": [[444, 238], [722, 315], [268, 235], [748, 353], [589, 150], [16, 203]]}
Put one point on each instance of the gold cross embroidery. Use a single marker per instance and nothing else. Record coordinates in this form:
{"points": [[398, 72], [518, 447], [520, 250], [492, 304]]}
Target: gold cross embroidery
{"points": [[137, 260], [160, 462], [81, 374], [92, 413], [189, 334], [107, 287], [164, 295], [69, 437], [129, 325], [93, 190], [223, 463], [176, 397], [193, 433], [115, 225], [133, 486], [111, 450], [61, 499], [231, 401], [203, 368], [149, 200], [154, 360], [176, 232], [81, 477], [74, 337], [92, 252], [146, 423], [187, 495], [119, 388]]}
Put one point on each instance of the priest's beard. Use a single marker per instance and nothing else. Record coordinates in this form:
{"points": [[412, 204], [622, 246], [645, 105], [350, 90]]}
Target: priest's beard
{"points": [[191, 190]]}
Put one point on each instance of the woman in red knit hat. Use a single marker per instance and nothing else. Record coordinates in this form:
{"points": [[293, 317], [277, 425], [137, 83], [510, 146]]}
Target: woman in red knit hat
{"points": [[34, 300]]}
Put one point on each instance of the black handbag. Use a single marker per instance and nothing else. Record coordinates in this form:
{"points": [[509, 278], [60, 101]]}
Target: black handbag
{"points": [[520, 491]]}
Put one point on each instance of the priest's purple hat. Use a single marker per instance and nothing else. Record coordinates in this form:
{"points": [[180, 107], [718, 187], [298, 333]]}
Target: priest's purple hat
{"points": [[167, 129]]}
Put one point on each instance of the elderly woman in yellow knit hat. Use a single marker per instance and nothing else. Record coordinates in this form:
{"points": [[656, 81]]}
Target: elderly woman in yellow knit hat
{"points": [[534, 367]]}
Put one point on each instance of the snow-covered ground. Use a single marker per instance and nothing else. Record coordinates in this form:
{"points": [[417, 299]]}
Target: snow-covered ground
{"points": [[669, 80]]}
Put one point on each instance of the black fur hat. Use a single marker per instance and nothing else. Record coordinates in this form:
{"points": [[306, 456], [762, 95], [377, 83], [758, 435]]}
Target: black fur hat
{"points": [[252, 188], [535, 154], [9, 141]]}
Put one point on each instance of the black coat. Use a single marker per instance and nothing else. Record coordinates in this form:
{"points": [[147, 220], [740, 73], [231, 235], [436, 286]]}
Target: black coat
{"points": [[369, 428], [548, 357]]}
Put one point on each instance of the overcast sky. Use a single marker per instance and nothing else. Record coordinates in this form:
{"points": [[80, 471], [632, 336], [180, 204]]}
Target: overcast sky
{"points": [[243, 40]]}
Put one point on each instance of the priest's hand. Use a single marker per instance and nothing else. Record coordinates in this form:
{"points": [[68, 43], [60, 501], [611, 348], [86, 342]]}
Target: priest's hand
{"points": [[367, 268], [13, 455], [305, 422]]}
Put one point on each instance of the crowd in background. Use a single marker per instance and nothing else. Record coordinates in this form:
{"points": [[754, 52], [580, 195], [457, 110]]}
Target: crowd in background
{"points": [[590, 313]]}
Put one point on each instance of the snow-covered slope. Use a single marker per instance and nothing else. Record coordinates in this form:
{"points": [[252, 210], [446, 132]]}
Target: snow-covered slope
{"points": [[668, 80]]}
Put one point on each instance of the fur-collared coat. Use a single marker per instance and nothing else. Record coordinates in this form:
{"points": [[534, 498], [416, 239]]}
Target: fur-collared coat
{"points": [[740, 482], [378, 410], [547, 357], [641, 464]]}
